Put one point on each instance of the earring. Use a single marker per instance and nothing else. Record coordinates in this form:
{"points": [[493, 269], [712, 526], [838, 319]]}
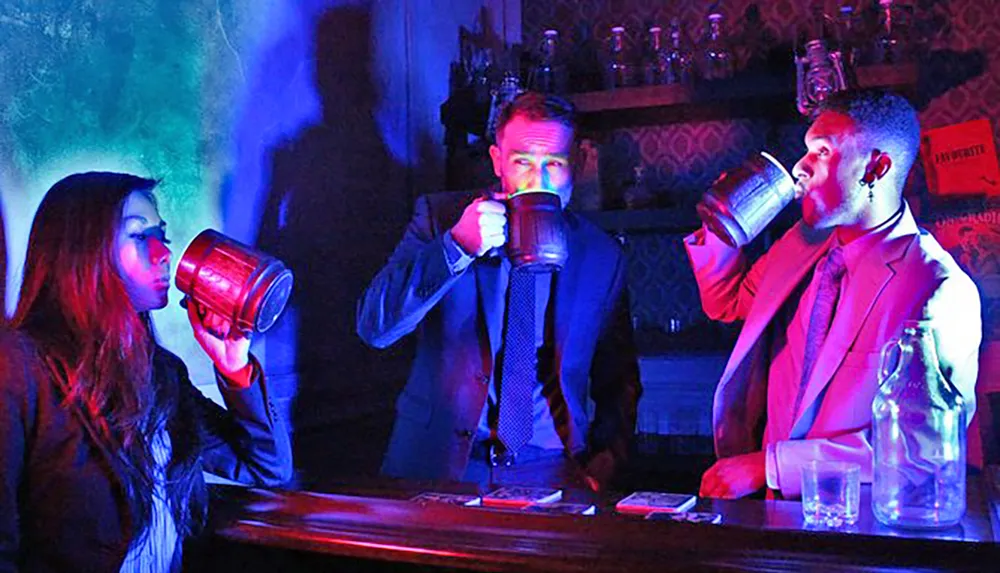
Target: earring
{"points": [[869, 181]]}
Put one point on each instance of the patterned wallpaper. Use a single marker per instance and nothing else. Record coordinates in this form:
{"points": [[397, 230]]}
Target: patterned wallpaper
{"points": [[958, 81]]}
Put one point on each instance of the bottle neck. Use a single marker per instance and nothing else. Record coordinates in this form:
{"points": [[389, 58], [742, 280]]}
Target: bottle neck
{"points": [[924, 347], [617, 45], [887, 18]]}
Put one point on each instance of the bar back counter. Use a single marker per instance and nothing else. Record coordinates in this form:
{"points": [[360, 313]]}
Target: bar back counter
{"points": [[374, 527]]}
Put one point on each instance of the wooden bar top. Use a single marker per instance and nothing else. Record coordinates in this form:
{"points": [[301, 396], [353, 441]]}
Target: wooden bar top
{"points": [[376, 523]]}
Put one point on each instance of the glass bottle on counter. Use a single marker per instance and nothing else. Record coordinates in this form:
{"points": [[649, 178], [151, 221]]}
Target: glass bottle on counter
{"points": [[716, 55], [616, 71], [548, 76], [678, 69], [918, 436]]}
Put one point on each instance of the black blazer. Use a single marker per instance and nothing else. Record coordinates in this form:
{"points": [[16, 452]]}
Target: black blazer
{"points": [[458, 320], [61, 502]]}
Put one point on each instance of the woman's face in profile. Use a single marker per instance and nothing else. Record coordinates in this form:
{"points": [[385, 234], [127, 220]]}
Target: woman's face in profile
{"points": [[142, 254]]}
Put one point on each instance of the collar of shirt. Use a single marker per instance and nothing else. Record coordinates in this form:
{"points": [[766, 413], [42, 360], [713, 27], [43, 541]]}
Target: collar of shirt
{"points": [[855, 251]]}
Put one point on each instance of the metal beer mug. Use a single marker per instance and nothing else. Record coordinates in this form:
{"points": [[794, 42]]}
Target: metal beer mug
{"points": [[743, 201], [536, 231], [235, 281]]}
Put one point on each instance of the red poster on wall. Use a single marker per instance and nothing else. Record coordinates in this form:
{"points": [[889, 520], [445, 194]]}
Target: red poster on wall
{"points": [[961, 159]]}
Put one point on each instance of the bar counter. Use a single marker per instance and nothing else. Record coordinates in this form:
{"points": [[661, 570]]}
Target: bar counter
{"points": [[374, 527]]}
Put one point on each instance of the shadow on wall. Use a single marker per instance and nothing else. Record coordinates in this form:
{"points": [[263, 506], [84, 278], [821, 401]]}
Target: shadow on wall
{"points": [[943, 70], [337, 205], [3, 267]]}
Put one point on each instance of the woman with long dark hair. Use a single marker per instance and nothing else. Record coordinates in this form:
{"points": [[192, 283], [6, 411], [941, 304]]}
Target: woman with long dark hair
{"points": [[103, 438]]}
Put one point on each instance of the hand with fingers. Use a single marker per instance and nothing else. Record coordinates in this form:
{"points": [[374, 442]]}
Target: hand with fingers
{"points": [[228, 347], [735, 477], [482, 227]]}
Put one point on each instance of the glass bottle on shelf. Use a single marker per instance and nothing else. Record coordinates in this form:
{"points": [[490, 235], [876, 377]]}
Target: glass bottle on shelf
{"points": [[848, 36], [654, 58], [678, 69], [891, 45], [584, 69], [716, 55], [637, 194], [918, 436], [616, 70], [753, 42], [548, 76], [509, 88]]}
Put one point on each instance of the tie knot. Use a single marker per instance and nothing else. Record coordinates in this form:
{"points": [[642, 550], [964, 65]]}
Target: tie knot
{"points": [[835, 266]]}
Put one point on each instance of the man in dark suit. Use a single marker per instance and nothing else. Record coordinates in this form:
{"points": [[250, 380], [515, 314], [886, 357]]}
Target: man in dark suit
{"points": [[449, 281]]}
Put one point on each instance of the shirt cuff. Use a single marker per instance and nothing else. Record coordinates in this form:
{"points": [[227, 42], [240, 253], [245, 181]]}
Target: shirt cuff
{"points": [[771, 466], [456, 257], [255, 372]]}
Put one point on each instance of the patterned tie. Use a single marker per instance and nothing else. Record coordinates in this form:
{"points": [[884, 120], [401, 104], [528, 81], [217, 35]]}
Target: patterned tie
{"points": [[827, 294], [518, 374]]}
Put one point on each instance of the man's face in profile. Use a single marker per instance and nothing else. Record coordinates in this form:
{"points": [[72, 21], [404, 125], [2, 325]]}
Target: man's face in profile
{"points": [[829, 173], [532, 154]]}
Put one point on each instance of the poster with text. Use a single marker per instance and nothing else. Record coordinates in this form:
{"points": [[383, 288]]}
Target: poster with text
{"points": [[961, 159]]}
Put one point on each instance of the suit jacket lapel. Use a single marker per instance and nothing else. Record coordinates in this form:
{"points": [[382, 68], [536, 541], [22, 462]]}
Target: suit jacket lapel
{"points": [[101, 443], [785, 270], [491, 286], [564, 284], [867, 282]]}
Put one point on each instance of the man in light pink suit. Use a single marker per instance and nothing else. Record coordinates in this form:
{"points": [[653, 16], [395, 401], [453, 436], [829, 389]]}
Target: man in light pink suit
{"points": [[794, 392]]}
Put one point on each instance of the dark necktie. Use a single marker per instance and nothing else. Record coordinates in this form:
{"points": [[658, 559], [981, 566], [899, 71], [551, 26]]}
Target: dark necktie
{"points": [[827, 295], [518, 374]]}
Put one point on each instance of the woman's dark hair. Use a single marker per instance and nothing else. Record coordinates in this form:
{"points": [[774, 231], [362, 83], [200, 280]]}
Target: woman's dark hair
{"points": [[75, 306]]}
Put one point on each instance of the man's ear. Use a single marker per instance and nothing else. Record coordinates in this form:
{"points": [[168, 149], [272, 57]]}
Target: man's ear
{"points": [[878, 165], [497, 158]]}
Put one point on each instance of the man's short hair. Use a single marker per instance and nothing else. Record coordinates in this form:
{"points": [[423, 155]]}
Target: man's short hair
{"points": [[537, 106], [885, 119]]}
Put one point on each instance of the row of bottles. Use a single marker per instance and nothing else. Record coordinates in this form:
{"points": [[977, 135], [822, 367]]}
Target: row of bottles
{"points": [[882, 34], [665, 58], [879, 34]]}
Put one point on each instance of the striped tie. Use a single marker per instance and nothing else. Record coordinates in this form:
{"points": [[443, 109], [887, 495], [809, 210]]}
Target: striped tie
{"points": [[827, 294]]}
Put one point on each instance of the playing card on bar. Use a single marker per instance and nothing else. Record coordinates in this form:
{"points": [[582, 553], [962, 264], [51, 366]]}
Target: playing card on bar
{"points": [[685, 516], [648, 501], [521, 496], [448, 498], [559, 508]]}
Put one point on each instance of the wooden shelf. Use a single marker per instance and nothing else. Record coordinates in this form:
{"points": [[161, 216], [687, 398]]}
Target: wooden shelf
{"points": [[743, 94]]}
